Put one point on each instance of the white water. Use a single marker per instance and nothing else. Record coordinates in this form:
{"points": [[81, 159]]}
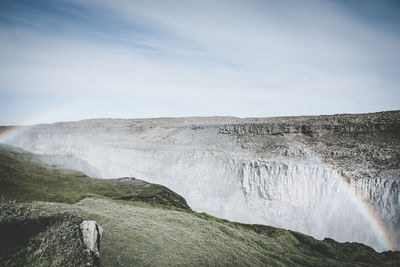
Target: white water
{"points": [[292, 192]]}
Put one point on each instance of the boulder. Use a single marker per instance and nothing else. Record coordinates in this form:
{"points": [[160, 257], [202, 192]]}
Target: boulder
{"points": [[91, 234]]}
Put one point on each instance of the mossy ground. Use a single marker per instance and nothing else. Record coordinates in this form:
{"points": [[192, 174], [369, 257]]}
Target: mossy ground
{"points": [[30, 239], [161, 232], [144, 235], [23, 178]]}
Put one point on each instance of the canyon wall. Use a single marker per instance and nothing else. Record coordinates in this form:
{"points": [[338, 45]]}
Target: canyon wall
{"points": [[315, 175]]}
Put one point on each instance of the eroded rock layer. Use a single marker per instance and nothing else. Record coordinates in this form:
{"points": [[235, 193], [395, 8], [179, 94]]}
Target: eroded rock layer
{"points": [[327, 176]]}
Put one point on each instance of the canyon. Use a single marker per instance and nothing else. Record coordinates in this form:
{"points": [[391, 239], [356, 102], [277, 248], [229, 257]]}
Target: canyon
{"points": [[332, 176]]}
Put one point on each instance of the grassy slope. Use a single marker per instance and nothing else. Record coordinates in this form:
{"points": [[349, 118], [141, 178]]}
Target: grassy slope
{"points": [[24, 178], [138, 233], [31, 239], [149, 236]]}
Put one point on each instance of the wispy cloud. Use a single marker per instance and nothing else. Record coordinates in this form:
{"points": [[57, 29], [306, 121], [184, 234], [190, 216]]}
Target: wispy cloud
{"points": [[65, 60]]}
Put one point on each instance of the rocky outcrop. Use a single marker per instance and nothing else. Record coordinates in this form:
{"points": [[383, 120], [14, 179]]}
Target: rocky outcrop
{"points": [[91, 235], [277, 171], [318, 125]]}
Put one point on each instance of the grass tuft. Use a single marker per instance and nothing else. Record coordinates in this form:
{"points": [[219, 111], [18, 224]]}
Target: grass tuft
{"points": [[29, 239]]}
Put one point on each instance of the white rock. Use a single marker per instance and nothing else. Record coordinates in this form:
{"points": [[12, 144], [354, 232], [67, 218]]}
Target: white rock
{"points": [[91, 234]]}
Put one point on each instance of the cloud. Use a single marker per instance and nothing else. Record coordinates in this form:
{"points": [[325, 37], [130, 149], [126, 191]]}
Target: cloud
{"points": [[182, 58]]}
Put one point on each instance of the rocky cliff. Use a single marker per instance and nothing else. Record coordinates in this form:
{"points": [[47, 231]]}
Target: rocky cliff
{"points": [[328, 176]]}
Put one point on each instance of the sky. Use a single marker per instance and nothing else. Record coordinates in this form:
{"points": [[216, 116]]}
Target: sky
{"points": [[71, 60]]}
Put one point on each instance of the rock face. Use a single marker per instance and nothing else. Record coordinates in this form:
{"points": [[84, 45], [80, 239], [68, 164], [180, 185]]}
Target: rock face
{"points": [[91, 234], [327, 176]]}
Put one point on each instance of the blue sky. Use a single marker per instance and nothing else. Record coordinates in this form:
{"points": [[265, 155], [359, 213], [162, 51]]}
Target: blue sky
{"points": [[70, 60]]}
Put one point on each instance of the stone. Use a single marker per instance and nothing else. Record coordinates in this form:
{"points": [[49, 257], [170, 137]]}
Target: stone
{"points": [[91, 234]]}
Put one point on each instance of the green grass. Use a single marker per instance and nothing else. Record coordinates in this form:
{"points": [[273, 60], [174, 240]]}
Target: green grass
{"points": [[149, 236], [24, 178], [29, 239], [152, 226]]}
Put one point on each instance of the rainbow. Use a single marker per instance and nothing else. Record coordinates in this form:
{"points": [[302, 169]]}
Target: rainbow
{"points": [[372, 217], [10, 132], [377, 225]]}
